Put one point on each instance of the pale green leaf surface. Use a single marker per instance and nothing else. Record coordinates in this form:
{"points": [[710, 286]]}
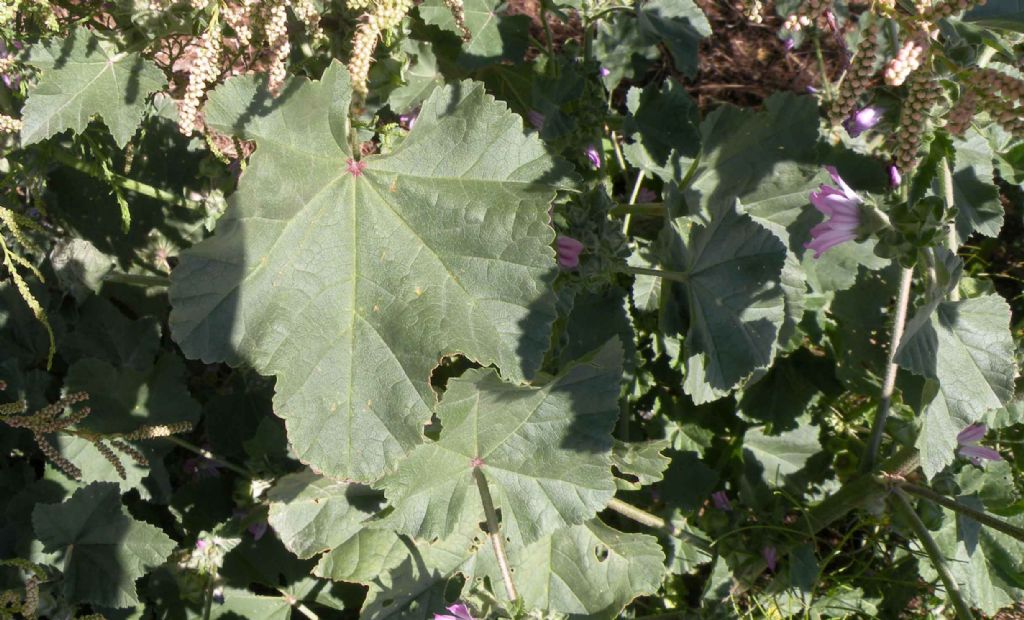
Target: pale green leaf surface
{"points": [[312, 514], [105, 550], [421, 76], [586, 571], [496, 36], [679, 24], [239, 603], [350, 288], [966, 347], [545, 451], [641, 462], [1004, 14], [781, 455], [659, 148], [83, 77], [974, 193]]}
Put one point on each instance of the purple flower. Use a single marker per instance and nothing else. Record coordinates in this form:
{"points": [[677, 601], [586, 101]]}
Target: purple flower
{"points": [[789, 44], [842, 207], [771, 557], [202, 544], [568, 250], [201, 467], [721, 501], [536, 119], [604, 72], [646, 195], [894, 177], [408, 119], [459, 611], [968, 440], [593, 156], [862, 120], [257, 529]]}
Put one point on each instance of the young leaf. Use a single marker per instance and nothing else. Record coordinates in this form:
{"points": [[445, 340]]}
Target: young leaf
{"points": [[349, 280], [967, 348], [545, 452], [84, 77], [105, 549]]}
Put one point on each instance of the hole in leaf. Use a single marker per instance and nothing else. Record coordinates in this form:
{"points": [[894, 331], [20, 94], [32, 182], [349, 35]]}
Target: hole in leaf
{"points": [[601, 552]]}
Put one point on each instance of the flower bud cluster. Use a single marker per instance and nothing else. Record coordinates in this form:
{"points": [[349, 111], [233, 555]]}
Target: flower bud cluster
{"points": [[9, 124], [160, 430], [276, 30], [923, 92], [907, 60], [239, 18], [108, 454], [363, 45], [945, 8], [807, 14], [999, 94], [754, 11], [389, 13], [306, 12], [205, 69], [858, 75]]}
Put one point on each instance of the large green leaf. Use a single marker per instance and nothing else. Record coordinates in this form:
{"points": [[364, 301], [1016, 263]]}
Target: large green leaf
{"points": [[974, 191], [966, 349], [659, 148], [769, 157], [85, 77], [988, 565], [312, 514], [1005, 14], [105, 550], [544, 451], [733, 297], [781, 455], [349, 287], [679, 24], [496, 36], [585, 571]]}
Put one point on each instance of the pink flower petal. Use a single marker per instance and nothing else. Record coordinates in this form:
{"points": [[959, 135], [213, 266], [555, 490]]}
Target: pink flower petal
{"points": [[971, 433], [980, 452]]}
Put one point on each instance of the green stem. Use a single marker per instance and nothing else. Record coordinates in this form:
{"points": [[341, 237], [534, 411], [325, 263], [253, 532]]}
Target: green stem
{"points": [[495, 534], [632, 201], [902, 506], [889, 383], [596, 16], [208, 602], [653, 521], [981, 517], [122, 182], [676, 276], [653, 209], [826, 85], [951, 236], [206, 454], [297, 604]]}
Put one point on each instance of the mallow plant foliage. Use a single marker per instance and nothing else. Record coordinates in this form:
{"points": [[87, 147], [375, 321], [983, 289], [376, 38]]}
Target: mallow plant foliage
{"points": [[462, 309]]}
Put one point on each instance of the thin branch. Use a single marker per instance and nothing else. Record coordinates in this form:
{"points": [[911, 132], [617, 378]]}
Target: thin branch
{"points": [[978, 515], [210, 456], [677, 276], [653, 209], [495, 534], [653, 521], [947, 196], [889, 384], [902, 506]]}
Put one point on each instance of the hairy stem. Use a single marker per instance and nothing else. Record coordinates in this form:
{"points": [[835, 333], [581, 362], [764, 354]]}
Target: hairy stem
{"points": [[632, 201], [903, 507], [978, 515], [889, 383], [653, 521], [122, 182], [495, 534]]}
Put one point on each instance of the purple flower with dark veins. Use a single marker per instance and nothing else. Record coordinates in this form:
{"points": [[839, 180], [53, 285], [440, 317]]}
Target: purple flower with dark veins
{"points": [[568, 250], [459, 611], [721, 501], [862, 120], [593, 156], [842, 207], [968, 440]]}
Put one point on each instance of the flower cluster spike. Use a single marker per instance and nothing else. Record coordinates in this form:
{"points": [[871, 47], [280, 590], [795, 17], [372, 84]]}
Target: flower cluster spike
{"points": [[907, 60], [159, 430], [363, 45], [239, 18], [999, 94], [923, 91], [306, 12], [47, 421], [205, 70], [12, 223], [810, 12], [858, 75], [459, 15], [754, 11], [276, 32], [9, 124], [945, 8]]}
